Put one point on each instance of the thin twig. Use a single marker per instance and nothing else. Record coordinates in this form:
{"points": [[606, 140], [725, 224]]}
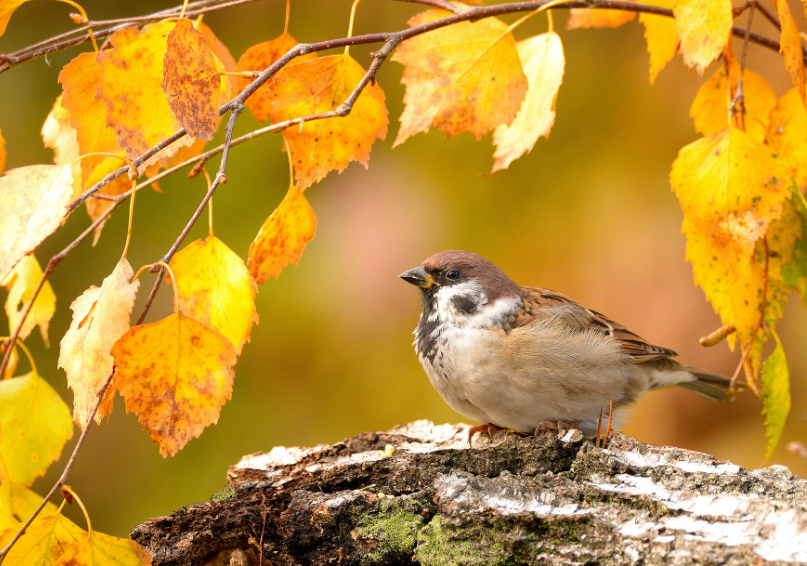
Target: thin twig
{"points": [[63, 478]]}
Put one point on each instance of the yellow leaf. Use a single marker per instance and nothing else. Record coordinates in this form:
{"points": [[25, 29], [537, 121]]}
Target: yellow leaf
{"points": [[794, 268], [775, 395], [175, 374], [131, 87], [34, 201], [466, 77], [704, 28], [730, 190], [661, 34], [190, 81], [36, 425], [790, 46], [59, 135], [582, 18], [22, 283], [322, 146], [100, 317], [44, 541], [19, 501], [282, 237], [99, 549], [215, 289], [788, 135], [710, 109], [258, 58], [7, 8], [543, 62]]}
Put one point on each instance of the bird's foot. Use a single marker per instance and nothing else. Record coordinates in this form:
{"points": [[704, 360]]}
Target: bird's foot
{"points": [[550, 426], [491, 429]]}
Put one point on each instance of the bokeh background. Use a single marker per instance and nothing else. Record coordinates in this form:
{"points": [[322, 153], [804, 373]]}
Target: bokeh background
{"points": [[589, 213]]}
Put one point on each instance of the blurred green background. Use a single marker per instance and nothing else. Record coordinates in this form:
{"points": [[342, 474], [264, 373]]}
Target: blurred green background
{"points": [[589, 213]]}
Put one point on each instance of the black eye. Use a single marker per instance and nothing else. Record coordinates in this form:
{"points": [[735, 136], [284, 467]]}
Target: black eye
{"points": [[453, 274]]}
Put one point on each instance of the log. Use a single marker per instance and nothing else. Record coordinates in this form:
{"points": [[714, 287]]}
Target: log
{"points": [[420, 494]]}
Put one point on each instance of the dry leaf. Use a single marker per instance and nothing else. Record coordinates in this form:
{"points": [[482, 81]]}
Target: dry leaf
{"points": [[36, 425], [34, 202], [99, 549], [131, 87], [543, 62], [790, 46], [282, 237], [704, 28], [44, 541], [582, 18], [59, 135], [322, 146], [100, 317], [190, 81], [788, 135], [214, 287], [466, 77], [710, 108], [259, 57], [175, 374], [21, 284], [661, 34]]}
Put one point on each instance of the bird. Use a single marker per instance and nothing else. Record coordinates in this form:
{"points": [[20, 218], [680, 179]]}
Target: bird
{"points": [[530, 359]]}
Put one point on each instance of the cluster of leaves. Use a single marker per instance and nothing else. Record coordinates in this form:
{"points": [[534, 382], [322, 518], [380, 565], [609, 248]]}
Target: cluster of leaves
{"points": [[153, 97]]}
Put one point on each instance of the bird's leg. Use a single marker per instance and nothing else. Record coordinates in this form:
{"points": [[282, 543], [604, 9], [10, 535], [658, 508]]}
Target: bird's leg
{"points": [[490, 428], [560, 426]]}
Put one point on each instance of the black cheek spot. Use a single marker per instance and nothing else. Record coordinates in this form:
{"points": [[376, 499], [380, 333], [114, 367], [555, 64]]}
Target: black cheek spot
{"points": [[464, 305]]}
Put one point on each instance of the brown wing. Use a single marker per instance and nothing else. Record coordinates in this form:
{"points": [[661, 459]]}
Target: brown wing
{"points": [[545, 302]]}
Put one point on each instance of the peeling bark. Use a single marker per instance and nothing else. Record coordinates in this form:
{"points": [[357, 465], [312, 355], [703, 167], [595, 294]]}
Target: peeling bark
{"points": [[513, 500]]}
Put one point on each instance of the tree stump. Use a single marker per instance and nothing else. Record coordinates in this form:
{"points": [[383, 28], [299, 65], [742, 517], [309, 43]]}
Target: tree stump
{"points": [[514, 499]]}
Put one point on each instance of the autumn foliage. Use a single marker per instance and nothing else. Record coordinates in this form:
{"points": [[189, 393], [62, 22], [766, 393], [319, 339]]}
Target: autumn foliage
{"points": [[151, 97]]}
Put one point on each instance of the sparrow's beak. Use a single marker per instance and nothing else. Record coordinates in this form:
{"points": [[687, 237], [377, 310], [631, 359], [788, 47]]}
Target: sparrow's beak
{"points": [[419, 278]]}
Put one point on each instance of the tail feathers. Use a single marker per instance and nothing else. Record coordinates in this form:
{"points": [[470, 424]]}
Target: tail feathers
{"points": [[705, 383]]}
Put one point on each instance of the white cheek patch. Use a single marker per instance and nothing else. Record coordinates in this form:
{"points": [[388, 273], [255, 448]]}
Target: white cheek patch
{"points": [[471, 291]]}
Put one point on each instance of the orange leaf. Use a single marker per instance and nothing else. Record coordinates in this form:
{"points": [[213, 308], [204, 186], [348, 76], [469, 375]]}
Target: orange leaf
{"points": [[130, 86], [2, 152], [466, 77], [543, 61], [591, 18], [282, 237], [704, 27], [710, 108], [100, 317], [59, 135], [88, 114], [730, 189], [34, 201], [44, 541], [788, 135], [661, 34], [790, 46], [190, 81], [259, 57], [21, 284], [175, 374], [322, 146], [99, 549], [35, 424], [7, 8], [215, 288]]}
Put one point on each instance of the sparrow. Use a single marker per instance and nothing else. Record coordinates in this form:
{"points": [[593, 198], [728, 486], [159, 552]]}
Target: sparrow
{"points": [[530, 359]]}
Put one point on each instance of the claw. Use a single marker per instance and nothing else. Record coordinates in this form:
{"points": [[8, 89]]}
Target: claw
{"points": [[490, 428]]}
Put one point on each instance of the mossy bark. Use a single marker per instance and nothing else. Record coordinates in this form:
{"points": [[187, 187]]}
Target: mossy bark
{"points": [[514, 500]]}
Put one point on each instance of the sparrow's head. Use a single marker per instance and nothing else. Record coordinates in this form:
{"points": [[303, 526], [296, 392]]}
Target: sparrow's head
{"points": [[462, 287]]}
